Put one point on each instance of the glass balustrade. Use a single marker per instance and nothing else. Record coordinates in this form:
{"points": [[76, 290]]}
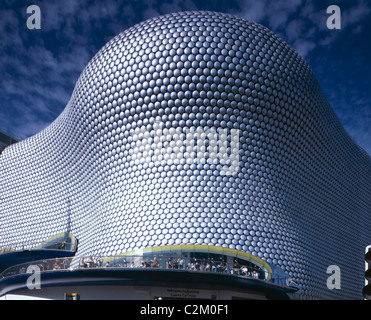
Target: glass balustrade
{"points": [[146, 262]]}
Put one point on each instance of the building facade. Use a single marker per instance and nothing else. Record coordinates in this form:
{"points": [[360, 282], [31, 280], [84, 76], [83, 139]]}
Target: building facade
{"points": [[204, 129]]}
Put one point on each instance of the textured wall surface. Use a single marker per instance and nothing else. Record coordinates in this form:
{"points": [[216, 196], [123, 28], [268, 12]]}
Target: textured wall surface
{"points": [[116, 161]]}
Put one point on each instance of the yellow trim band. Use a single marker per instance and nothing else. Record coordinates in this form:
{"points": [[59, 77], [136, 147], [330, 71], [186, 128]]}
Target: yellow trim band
{"points": [[59, 235], [7, 250], [199, 248]]}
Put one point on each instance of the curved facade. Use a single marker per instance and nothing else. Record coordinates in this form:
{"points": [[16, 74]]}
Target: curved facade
{"points": [[197, 128]]}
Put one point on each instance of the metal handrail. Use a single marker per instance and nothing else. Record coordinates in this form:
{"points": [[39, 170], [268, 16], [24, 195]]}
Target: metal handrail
{"points": [[147, 262]]}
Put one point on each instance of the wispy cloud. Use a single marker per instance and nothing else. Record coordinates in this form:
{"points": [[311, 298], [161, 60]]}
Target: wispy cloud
{"points": [[302, 23], [355, 14], [39, 69]]}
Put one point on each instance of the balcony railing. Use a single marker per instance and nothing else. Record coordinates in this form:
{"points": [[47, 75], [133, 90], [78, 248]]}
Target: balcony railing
{"points": [[146, 262]]}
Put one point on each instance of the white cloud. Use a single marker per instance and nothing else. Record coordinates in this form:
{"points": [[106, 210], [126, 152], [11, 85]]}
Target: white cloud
{"points": [[355, 14], [177, 6], [280, 12], [54, 13], [252, 10], [303, 47], [44, 72]]}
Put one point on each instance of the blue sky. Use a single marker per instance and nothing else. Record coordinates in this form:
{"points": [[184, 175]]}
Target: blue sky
{"points": [[39, 68]]}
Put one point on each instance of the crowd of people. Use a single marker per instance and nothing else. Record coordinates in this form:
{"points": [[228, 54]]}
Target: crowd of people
{"points": [[214, 266], [179, 263], [174, 263]]}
